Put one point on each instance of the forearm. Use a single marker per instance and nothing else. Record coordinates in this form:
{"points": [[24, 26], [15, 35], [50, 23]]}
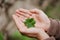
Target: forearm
{"points": [[54, 29], [45, 36], [42, 35], [50, 38]]}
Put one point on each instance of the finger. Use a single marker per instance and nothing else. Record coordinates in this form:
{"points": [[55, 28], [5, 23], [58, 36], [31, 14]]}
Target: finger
{"points": [[25, 11], [17, 20], [23, 14], [35, 11], [43, 17], [19, 24], [22, 18], [38, 14]]}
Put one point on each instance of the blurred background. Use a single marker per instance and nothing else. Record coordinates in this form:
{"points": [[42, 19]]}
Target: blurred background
{"points": [[8, 30]]}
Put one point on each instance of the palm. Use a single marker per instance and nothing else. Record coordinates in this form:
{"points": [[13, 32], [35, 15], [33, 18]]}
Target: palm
{"points": [[23, 29], [42, 21]]}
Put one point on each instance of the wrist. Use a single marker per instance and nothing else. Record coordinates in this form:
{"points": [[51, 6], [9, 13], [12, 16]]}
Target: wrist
{"points": [[48, 26], [42, 35]]}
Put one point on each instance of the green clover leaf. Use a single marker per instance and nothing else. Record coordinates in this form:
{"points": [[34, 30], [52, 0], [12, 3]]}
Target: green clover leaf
{"points": [[30, 22]]}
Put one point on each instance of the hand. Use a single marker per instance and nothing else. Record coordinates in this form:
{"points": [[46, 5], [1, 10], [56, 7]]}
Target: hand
{"points": [[32, 32], [42, 20]]}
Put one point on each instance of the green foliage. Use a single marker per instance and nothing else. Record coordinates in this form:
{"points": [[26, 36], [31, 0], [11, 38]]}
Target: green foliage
{"points": [[27, 38], [48, 10], [15, 36], [30, 22], [1, 36], [18, 36], [53, 11]]}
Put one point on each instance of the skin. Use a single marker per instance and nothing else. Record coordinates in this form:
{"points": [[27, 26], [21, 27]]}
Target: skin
{"points": [[42, 23]]}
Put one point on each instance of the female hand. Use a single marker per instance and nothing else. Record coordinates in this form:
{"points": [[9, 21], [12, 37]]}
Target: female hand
{"points": [[42, 20], [32, 32], [37, 32]]}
